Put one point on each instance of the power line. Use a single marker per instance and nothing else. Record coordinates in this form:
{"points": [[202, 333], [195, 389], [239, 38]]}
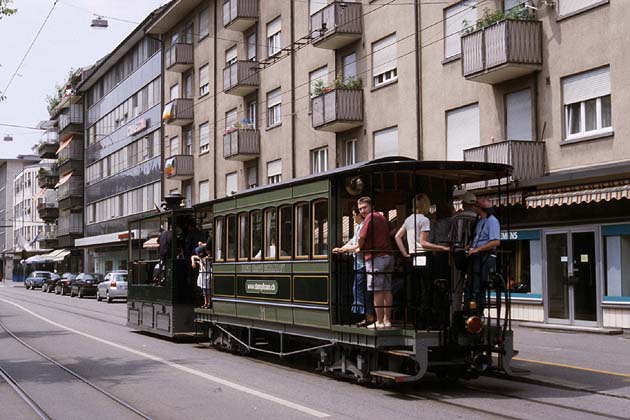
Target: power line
{"points": [[30, 47]]}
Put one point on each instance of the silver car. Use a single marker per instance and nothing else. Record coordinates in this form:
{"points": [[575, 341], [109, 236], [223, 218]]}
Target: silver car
{"points": [[113, 287]]}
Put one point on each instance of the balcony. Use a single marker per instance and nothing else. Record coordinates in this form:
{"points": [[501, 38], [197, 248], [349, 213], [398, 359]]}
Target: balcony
{"points": [[76, 229], [70, 156], [179, 57], [48, 145], [239, 15], [503, 51], [70, 223], [47, 178], [70, 192], [527, 158], [241, 78], [242, 144], [71, 121], [337, 110], [48, 238], [178, 112], [179, 167], [337, 25], [48, 210]]}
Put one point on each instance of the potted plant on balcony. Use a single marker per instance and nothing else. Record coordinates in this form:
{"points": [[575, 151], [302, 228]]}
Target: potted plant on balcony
{"points": [[340, 83], [490, 17]]}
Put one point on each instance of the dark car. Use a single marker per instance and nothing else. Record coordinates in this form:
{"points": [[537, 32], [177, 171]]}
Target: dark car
{"points": [[36, 279], [62, 287], [50, 282], [85, 284]]}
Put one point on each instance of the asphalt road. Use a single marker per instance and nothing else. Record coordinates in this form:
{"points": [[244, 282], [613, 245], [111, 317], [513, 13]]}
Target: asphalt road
{"points": [[111, 371]]}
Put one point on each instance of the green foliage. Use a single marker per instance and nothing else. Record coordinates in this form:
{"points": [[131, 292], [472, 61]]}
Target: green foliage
{"points": [[349, 83], [5, 10], [491, 17], [74, 77]]}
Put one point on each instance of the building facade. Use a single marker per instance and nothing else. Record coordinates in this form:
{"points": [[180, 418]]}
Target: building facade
{"points": [[122, 103]]}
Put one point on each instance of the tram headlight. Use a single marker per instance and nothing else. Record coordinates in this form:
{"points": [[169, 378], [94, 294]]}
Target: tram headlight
{"points": [[474, 324]]}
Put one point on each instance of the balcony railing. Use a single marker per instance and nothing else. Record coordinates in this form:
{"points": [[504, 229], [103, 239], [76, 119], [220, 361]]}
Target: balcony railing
{"points": [[338, 110], [69, 230], [239, 15], [71, 122], [47, 150], [47, 210], [337, 25], [241, 78], [47, 179], [178, 112], [241, 144], [179, 167], [503, 51], [526, 157], [70, 188], [179, 57]]}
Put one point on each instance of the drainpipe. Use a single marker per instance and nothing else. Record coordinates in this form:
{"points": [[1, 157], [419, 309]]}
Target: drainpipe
{"points": [[293, 116], [419, 139], [214, 102]]}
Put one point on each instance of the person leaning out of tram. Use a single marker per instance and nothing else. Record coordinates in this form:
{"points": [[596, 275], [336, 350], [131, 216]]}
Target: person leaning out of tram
{"points": [[202, 261], [482, 254], [416, 230], [363, 302]]}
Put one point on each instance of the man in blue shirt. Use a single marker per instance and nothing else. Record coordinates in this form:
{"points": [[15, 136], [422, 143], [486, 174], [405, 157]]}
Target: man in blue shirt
{"points": [[482, 252]]}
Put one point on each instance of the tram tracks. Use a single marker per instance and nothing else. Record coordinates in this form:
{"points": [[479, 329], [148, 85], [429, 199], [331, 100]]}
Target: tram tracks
{"points": [[27, 398]]}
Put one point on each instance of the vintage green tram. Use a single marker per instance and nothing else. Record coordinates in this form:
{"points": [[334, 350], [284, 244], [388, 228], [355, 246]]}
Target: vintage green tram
{"points": [[277, 287]]}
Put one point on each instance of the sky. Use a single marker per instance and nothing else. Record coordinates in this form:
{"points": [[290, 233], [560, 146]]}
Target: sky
{"points": [[66, 42]]}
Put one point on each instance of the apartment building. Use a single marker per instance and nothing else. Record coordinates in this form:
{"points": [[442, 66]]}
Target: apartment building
{"points": [[9, 169], [544, 94], [122, 103], [240, 112]]}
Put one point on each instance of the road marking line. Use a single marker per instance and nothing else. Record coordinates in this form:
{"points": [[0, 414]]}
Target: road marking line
{"points": [[180, 367], [604, 372]]}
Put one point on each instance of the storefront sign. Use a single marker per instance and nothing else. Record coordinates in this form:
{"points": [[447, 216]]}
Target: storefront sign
{"points": [[520, 235], [261, 287], [136, 127]]}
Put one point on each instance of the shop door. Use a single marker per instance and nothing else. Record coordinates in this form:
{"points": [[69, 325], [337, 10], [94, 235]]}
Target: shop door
{"points": [[571, 277]]}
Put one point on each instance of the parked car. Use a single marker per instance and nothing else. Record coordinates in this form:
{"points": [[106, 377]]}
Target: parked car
{"points": [[85, 284], [50, 282], [62, 287], [36, 279], [113, 287]]}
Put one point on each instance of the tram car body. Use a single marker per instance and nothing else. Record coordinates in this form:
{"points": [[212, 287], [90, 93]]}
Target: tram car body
{"points": [[278, 288]]}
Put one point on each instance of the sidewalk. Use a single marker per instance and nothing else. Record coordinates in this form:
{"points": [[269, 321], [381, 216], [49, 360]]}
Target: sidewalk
{"points": [[11, 283]]}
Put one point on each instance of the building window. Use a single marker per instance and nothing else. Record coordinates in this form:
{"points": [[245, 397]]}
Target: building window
{"points": [[252, 177], [274, 108], [204, 191], [231, 183], [566, 7], [273, 37], [462, 131], [349, 65], [252, 115], [318, 78], [251, 46], [587, 104], [204, 80], [230, 120], [617, 266], [188, 140], [230, 56], [174, 145], [455, 19], [350, 152], [204, 23], [274, 171], [319, 160], [386, 142], [316, 5], [384, 61], [174, 91], [518, 115], [204, 138]]}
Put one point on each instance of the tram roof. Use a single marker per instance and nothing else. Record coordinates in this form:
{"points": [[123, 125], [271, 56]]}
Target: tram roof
{"points": [[459, 172]]}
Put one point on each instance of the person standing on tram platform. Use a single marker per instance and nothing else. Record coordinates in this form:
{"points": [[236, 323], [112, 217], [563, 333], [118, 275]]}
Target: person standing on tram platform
{"points": [[482, 253]]}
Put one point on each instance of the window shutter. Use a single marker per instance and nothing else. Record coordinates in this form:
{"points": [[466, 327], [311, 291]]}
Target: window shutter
{"points": [[569, 6], [386, 143], [384, 55], [584, 86], [203, 75], [230, 118], [251, 46], [319, 74], [274, 98], [456, 17], [274, 168], [230, 55], [273, 27], [204, 134], [462, 131], [518, 109], [204, 191], [231, 183]]}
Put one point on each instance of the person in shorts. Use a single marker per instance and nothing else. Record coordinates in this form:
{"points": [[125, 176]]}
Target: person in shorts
{"points": [[374, 241], [201, 261]]}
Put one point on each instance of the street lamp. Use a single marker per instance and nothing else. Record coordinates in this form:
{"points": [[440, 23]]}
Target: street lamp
{"points": [[99, 23]]}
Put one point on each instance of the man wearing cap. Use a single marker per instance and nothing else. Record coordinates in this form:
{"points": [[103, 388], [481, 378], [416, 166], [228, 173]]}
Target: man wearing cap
{"points": [[483, 256], [461, 232]]}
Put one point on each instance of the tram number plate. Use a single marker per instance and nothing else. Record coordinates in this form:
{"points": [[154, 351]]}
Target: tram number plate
{"points": [[261, 287]]}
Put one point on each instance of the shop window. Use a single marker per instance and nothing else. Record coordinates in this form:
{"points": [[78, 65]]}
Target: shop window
{"points": [[243, 233], [219, 240], [286, 232], [617, 252], [257, 234], [302, 224], [320, 229], [521, 261], [231, 237], [271, 230]]}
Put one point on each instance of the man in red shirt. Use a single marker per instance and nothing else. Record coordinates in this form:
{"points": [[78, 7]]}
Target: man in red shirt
{"points": [[374, 241]]}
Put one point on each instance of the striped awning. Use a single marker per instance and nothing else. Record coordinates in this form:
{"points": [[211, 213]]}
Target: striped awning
{"points": [[65, 144], [40, 194], [64, 179], [593, 193]]}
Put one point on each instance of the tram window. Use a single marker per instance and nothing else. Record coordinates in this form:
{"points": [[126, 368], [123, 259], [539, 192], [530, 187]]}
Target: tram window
{"points": [[231, 237], [219, 243], [271, 232], [345, 229], [320, 228], [286, 232], [302, 225], [243, 233], [257, 234]]}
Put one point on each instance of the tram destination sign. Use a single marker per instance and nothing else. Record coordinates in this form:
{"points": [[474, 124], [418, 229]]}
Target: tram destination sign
{"points": [[261, 287]]}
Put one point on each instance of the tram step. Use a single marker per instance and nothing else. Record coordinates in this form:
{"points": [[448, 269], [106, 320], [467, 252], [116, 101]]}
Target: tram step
{"points": [[402, 353], [393, 376]]}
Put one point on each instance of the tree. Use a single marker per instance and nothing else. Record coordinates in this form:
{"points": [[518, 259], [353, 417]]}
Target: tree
{"points": [[5, 10]]}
